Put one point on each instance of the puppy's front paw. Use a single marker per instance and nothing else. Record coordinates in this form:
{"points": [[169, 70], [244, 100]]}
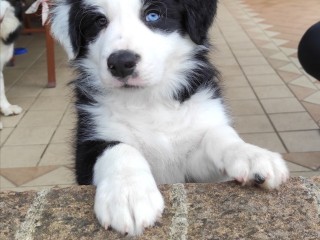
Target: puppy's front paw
{"points": [[11, 110], [251, 164], [128, 208]]}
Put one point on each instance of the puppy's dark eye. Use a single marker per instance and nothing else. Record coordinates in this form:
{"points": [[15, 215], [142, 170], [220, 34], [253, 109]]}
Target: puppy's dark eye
{"points": [[102, 21], [152, 16]]}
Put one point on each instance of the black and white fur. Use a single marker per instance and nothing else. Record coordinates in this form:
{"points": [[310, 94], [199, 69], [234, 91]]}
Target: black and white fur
{"points": [[165, 121], [10, 26]]}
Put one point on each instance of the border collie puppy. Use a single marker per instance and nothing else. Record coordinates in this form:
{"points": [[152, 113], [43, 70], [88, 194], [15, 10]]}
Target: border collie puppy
{"points": [[10, 26], [149, 106]]}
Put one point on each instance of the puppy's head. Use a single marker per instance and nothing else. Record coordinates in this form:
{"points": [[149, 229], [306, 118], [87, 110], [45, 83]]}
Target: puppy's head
{"points": [[133, 43]]}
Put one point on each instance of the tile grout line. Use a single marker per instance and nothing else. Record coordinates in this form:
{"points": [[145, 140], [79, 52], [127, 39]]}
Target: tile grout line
{"points": [[258, 99]]}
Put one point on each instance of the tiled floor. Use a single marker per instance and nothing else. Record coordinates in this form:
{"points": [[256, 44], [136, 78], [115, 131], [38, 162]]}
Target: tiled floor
{"points": [[274, 102]]}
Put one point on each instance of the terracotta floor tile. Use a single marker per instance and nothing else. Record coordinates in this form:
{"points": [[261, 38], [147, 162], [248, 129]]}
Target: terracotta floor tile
{"points": [[265, 80], [245, 107], [275, 63], [293, 167], [288, 76], [302, 141], [260, 43], [62, 90], [271, 45], [235, 81], [25, 91], [242, 45], [301, 92], [5, 183], [41, 118], [51, 103], [19, 176], [21, 156], [258, 70], [309, 159], [268, 52], [293, 121], [57, 154], [4, 134], [12, 75], [313, 98], [239, 93], [69, 118], [314, 110], [228, 61], [253, 124], [12, 121], [303, 81], [247, 53], [289, 52], [280, 91], [280, 56], [63, 134], [230, 71], [30, 136], [283, 105], [58, 176], [269, 141], [249, 61]]}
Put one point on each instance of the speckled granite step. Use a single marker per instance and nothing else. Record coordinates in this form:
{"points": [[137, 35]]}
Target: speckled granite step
{"points": [[193, 211]]}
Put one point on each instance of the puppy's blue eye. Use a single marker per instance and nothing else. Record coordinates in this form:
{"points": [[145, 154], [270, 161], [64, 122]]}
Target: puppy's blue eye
{"points": [[152, 17]]}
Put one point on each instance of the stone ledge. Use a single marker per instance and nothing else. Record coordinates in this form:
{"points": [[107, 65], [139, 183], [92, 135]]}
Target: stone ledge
{"points": [[193, 211]]}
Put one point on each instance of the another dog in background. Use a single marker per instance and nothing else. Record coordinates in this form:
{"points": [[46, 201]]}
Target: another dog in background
{"points": [[150, 109], [10, 27]]}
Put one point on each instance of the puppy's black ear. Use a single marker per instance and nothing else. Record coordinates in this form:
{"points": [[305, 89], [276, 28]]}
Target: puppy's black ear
{"points": [[199, 16]]}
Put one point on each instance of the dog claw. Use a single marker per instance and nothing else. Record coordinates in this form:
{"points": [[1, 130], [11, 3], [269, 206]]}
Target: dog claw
{"points": [[258, 179]]}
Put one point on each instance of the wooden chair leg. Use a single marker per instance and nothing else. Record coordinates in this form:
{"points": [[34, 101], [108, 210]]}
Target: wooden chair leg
{"points": [[50, 58]]}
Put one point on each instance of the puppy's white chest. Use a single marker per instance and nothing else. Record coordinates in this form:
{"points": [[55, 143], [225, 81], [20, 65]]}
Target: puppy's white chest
{"points": [[162, 130], [164, 134]]}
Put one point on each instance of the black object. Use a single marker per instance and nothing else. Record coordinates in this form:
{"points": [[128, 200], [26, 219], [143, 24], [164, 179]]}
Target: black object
{"points": [[309, 51]]}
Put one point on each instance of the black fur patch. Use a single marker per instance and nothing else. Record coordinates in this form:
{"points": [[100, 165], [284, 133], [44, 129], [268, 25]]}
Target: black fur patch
{"points": [[198, 18], [12, 36], [193, 17], [87, 151], [18, 8], [170, 12], [86, 156], [85, 24], [205, 77]]}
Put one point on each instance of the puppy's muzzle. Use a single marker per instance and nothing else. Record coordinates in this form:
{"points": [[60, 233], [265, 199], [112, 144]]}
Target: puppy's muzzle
{"points": [[122, 63]]}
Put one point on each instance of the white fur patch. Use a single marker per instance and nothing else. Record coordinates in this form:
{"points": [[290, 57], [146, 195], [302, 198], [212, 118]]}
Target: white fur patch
{"points": [[127, 197]]}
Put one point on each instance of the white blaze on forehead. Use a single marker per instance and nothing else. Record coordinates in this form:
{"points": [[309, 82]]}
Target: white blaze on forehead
{"points": [[117, 8]]}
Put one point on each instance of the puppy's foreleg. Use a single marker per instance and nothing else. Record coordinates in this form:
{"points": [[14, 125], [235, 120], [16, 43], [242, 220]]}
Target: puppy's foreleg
{"points": [[5, 107], [223, 151], [127, 197]]}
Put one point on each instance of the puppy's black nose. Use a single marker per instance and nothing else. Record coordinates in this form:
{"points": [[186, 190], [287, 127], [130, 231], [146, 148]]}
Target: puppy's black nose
{"points": [[122, 63]]}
